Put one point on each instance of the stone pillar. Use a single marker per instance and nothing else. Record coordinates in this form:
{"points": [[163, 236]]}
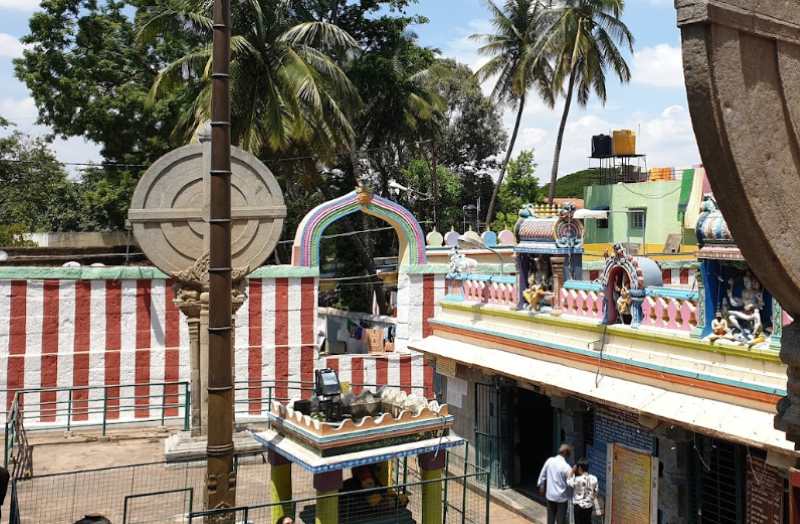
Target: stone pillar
{"points": [[191, 297], [189, 300], [431, 465], [557, 268], [327, 485], [788, 417], [280, 485]]}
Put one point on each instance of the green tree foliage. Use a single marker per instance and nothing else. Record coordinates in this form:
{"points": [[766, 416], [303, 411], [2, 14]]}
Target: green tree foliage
{"points": [[466, 134], [400, 111], [573, 184], [586, 43], [88, 78], [418, 174], [286, 85], [519, 62], [39, 195], [520, 187], [31, 178]]}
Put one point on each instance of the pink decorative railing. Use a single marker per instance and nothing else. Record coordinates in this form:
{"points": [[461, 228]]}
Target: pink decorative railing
{"points": [[586, 303], [662, 307], [484, 289], [669, 313]]}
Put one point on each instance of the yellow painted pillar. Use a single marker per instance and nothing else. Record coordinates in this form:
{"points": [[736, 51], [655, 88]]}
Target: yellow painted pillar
{"points": [[280, 485], [432, 466], [384, 473], [327, 508], [327, 485]]}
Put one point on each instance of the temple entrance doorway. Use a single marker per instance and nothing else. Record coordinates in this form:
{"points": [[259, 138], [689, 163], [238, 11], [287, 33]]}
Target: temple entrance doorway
{"points": [[534, 439]]}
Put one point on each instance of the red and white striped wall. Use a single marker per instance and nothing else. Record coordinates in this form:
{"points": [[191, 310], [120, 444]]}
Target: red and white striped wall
{"points": [[64, 332]]}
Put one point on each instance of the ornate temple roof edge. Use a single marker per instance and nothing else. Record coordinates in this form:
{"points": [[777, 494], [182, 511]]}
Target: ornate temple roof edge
{"points": [[618, 330]]}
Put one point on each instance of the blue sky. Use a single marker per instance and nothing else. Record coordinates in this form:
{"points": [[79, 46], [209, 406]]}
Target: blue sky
{"points": [[653, 104]]}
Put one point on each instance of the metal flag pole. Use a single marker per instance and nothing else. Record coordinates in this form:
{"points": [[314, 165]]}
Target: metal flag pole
{"points": [[221, 477]]}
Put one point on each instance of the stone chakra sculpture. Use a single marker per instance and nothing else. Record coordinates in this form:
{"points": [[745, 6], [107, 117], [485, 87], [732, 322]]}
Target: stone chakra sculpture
{"points": [[741, 60], [169, 218]]}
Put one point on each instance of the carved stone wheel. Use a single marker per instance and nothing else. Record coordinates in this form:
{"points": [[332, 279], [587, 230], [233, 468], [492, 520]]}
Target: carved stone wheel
{"points": [[741, 60], [169, 209]]}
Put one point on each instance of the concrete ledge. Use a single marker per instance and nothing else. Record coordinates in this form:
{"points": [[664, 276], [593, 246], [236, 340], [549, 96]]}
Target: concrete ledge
{"points": [[181, 446]]}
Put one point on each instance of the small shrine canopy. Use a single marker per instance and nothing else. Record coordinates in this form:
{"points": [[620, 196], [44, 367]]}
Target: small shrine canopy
{"points": [[549, 235], [298, 454], [713, 235]]}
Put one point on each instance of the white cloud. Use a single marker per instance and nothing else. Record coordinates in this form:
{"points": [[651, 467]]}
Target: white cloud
{"points": [[659, 66], [463, 48], [19, 111], [10, 47], [19, 5], [23, 113]]}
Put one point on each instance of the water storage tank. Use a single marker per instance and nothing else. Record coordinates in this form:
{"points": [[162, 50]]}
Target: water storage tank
{"points": [[601, 146], [660, 174], [624, 142]]}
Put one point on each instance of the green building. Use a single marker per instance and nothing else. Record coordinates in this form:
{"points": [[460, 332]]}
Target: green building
{"points": [[643, 215]]}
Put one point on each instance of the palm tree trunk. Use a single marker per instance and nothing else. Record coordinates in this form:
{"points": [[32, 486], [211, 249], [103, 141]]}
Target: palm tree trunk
{"points": [[434, 165], [560, 139], [490, 210]]}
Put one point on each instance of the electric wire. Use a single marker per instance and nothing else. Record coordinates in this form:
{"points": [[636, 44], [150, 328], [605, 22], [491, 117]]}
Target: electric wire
{"points": [[122, 165]]}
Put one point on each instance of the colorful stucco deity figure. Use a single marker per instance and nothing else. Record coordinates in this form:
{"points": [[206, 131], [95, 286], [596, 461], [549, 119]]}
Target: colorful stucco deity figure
{"points": [[730, 289]]}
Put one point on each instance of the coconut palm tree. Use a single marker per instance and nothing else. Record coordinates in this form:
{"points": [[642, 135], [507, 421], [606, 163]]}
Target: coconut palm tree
{"points": [[286, 85], [519, 60], [587, 41]]}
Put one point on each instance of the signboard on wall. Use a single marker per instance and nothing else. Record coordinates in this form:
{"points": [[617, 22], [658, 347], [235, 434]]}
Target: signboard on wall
{"points": [[632, 486], [764, 501]]}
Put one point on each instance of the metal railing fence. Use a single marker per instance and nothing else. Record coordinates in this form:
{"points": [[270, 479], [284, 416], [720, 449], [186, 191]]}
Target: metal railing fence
{"points": [[168, 492], [154, 402], [96, 406]]}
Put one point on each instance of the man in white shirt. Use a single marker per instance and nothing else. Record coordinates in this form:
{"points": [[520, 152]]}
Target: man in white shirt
{"points": [[553, 485]]}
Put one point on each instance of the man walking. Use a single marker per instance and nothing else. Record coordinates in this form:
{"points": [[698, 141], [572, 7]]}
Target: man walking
{"points": [[553, 485]]}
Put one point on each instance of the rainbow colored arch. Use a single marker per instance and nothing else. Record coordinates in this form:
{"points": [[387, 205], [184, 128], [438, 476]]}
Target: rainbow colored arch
{"points": [[305, 251]]}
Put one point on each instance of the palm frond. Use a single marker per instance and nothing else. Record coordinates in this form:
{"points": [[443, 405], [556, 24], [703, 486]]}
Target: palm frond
{"points": [[319, 34]]}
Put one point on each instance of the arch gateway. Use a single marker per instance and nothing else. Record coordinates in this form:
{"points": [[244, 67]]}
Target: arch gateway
{"points": [[416, 283]]}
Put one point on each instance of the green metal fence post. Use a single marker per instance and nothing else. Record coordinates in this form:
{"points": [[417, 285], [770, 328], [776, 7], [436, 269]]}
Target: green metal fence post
{"points": [[6, 438], [269, 406], [464, 485], [488, 487], [446, 474], [405, 473], [105, 409], [187, 406], [69, 410], [163, 402]]}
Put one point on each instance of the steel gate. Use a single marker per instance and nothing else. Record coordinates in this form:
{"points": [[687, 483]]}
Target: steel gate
{"points": [[493, 431]]}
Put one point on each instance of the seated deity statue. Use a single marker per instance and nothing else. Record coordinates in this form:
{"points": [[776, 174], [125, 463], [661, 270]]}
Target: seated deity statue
{"points": [[746, 325], [719, 328], [535, 294]]}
